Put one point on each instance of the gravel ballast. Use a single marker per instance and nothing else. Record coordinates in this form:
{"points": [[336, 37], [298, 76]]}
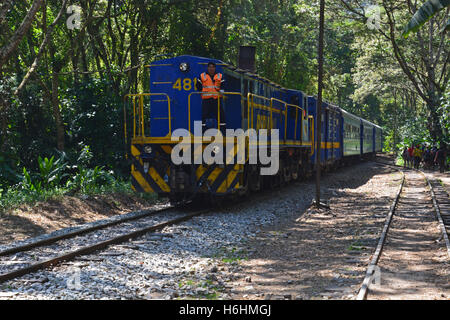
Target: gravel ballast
{"points": [[203, 258]]}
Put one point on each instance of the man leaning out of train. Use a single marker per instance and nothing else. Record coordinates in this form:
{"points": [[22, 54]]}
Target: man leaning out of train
{"points": [[210, 84]]}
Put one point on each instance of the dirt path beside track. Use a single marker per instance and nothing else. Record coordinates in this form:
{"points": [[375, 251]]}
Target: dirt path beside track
{"points": [[322, 254]]}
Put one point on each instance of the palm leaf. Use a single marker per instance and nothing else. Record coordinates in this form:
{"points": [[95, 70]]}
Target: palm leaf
{"points": [[425, 13]]}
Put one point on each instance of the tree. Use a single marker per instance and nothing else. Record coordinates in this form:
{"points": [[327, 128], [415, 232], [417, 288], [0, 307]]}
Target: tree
{"points": [[8, 49], [424, 59], [319, 99], [425, 13]]}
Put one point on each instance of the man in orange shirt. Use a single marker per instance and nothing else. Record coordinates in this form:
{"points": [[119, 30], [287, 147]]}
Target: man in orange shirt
{"points": [[210, 84]]}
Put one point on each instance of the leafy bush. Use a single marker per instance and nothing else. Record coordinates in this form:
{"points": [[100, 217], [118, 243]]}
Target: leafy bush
{"points": [[51, 171], [94, 118], [55, 178], [88, 180], [50, 174], [29, 184], [7, 175], [16, 196]]}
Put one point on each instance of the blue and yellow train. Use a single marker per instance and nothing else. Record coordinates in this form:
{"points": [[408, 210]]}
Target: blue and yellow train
{"points": [[250, 102]]}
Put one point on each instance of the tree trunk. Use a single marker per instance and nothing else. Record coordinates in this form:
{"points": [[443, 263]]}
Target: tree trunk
{"points": [[56, 68], [47, 38], [13, 43], [319, 99], [434, 124], [4, 124], [57, 112], [395, 138]]}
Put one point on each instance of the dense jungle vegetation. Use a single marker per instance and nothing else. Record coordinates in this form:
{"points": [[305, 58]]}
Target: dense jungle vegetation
{"points": [[62, 88]]}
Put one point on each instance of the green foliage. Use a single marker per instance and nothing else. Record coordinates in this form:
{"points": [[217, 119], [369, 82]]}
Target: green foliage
{"points": [[29, 184], [413, 132], [16, 196], [425, 13], [85, 156], [90, 180], [51, 171], [95, 115], [54, 179], [7, 175], [444, 109], [97, 66]]}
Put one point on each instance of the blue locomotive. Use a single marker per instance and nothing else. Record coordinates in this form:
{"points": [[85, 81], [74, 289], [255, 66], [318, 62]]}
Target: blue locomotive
{"points": [[249, 102]]}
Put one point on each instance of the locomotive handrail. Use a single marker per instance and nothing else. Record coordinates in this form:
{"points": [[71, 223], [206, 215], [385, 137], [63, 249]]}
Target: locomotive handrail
{"points": [[251, 96], [285, 116], [219, 94], [286, 105], [296, 119], [141, 111], [251, 103]]}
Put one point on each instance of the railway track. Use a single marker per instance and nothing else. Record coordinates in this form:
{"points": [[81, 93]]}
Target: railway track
{"points": [[441, 201], [46, 253], [20, 260], [411, 205]]}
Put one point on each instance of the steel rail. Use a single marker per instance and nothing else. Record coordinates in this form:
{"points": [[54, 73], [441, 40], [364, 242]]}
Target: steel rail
{"points": [[376, 256], [362, 295], [95, 247], [79, 232], [438, 214], [435, 205]]}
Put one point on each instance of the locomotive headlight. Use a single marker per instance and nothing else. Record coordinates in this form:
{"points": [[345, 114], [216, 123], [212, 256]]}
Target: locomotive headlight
{"points": [[184, 67], [148, 149], [146, 166]]}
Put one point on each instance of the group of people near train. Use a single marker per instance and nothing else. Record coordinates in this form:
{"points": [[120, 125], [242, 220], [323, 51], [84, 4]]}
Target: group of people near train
{"points": [[430, 157]]}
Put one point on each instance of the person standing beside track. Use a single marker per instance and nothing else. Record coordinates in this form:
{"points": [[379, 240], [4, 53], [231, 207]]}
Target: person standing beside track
{"points": [[441, 157], [405, 157], [410, 156], [417, 156], [427, 158]]}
